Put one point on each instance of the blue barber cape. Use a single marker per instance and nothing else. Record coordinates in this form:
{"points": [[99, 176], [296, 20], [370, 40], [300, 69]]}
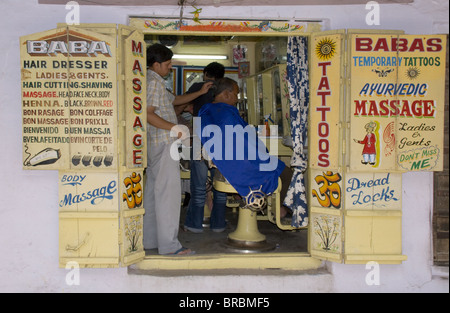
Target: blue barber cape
{"points": [[236, 150]]}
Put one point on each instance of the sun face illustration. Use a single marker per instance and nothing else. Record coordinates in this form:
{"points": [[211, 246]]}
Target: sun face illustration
{"points": [[325, 49], [412, 73]]}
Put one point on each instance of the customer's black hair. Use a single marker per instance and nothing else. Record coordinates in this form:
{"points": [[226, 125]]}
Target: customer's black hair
{"points": [[158, 53], [214, 70], [223, 84]]}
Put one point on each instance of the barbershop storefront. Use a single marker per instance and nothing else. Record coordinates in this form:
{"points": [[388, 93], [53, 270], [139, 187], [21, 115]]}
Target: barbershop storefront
{"points": [[357, 114]]}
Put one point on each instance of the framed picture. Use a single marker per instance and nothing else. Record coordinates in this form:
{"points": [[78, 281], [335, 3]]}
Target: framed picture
{"points": [[243, 69], [239, 54]]}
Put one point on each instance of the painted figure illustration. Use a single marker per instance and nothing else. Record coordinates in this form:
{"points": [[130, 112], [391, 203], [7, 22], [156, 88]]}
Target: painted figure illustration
{"points": [[369, 152]]}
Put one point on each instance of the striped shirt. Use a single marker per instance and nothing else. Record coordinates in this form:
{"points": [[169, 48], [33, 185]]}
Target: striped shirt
{"points": [[162, 99]]}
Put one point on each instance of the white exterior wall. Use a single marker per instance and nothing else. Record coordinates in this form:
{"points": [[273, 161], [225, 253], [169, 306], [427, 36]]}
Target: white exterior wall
{"points": [[29, 210]]}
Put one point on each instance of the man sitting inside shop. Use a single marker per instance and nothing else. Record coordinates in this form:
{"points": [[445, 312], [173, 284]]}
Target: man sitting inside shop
{"points": [[233, 145]]}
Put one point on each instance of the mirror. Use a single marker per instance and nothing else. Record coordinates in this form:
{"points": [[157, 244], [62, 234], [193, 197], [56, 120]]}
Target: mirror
{"points": [[278, 111], [244, 57]]}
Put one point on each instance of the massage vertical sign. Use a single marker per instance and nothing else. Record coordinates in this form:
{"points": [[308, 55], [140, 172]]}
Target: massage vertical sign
{"points": [[397, 102], [325, 82], [69, 109], [135, 100]]}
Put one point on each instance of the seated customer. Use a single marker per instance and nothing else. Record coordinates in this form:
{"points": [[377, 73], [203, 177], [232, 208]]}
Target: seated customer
{"points": [[233, 145]]}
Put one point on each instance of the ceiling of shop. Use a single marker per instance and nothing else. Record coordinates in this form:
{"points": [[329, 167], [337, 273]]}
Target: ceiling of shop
{"points": [[219, 2]]}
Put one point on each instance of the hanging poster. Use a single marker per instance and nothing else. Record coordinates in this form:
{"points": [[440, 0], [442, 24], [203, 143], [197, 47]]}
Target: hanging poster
{"points": [[397, 102], [69, 109]]}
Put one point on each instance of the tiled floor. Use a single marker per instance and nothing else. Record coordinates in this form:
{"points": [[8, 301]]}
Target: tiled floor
{"points": [[210, 242]]}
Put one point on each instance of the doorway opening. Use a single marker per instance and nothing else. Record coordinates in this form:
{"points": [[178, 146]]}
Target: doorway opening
{"points": [[258, 64]]}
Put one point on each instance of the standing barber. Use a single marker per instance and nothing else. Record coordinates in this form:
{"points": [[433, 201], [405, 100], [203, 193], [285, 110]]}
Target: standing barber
{"points": [[162, 194]]}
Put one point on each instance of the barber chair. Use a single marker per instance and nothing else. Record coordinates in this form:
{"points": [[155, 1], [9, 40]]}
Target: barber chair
{"points": [[246, 238]]}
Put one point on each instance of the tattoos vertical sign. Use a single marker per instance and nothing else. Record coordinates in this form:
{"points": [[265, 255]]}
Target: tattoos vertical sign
{"points": [[325, 101]]}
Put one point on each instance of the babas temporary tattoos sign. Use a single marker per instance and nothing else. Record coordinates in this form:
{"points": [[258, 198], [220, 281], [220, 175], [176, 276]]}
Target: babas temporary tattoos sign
{"points": [[397, 99]]}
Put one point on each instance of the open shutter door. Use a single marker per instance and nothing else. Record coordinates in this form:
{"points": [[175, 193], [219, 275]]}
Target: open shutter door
{"points": [[325, 145], [101, 195], [395, 121], [83, 61], [356, 212]]}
